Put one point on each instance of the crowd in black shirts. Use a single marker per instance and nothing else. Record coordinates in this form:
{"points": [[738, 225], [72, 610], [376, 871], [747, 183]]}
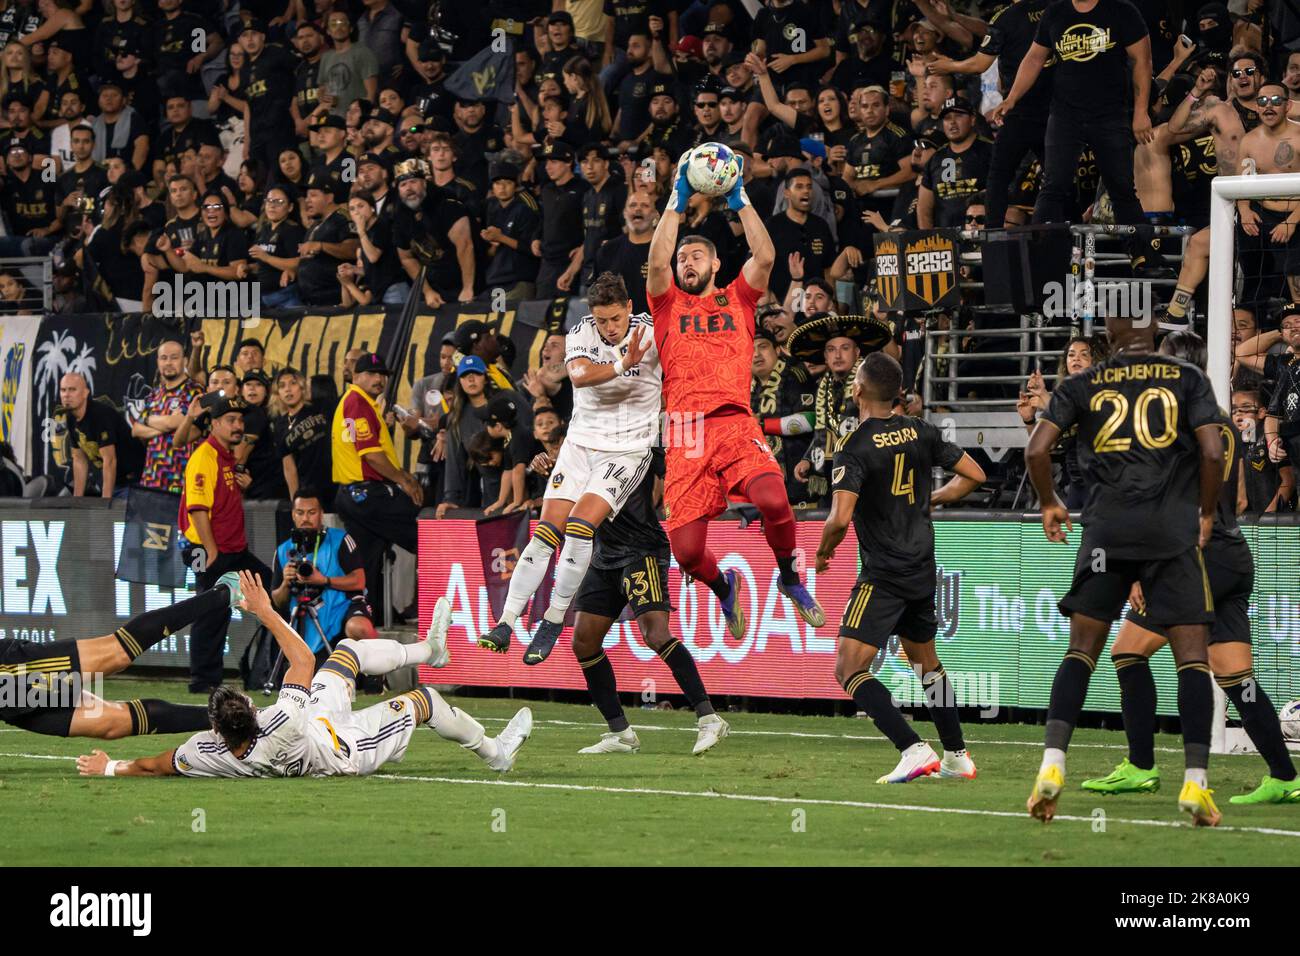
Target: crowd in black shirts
{"points": [[312, 148]]}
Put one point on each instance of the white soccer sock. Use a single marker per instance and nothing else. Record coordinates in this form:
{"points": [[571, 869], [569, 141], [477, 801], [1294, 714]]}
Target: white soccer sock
{"points": [[530, 571], [452, 723], [1196, 776], [380, 656], [1052, 757], [575, 558]]}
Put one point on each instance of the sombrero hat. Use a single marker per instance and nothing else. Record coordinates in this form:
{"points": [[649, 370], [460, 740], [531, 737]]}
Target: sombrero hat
{"points": [[808, 340]]}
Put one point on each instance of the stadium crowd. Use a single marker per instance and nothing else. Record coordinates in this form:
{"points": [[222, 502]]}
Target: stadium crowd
{"points": [[326, 153]]}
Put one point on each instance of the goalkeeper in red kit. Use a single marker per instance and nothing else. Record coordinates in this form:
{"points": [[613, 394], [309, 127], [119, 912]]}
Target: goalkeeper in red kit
{"points": [[705, 337]]}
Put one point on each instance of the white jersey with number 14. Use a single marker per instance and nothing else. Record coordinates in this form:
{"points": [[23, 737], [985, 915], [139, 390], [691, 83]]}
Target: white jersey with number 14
{"points": [[623, 413]]}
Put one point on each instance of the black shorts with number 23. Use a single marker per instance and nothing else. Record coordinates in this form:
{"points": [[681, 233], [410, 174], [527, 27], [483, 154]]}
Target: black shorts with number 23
{"points": [[641, 584]]}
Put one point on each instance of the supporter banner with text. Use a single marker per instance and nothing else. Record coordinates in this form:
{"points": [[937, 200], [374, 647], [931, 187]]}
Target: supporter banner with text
{"points": [[1000, 636], [17, 352], [116, 352]]}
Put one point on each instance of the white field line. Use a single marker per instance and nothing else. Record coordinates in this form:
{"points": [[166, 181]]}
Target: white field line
{"points": [[793, 733], [801, 801], [760, 798]]}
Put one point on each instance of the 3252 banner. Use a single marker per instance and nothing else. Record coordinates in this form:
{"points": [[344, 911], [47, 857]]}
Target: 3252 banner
{"points": [[916, 271], [1000, 634]]}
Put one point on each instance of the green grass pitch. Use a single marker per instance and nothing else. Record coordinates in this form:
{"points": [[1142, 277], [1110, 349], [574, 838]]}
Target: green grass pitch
{"points": [[779, 791]]}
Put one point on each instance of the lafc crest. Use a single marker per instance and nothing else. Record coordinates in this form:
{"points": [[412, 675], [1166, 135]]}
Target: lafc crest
{"points": [[947, 600]]}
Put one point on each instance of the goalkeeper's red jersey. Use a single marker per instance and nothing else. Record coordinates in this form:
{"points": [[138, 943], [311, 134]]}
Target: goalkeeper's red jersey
{"points": [[706, 347]]}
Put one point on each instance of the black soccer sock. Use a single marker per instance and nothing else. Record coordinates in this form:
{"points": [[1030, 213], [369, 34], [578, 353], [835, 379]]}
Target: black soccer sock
{"points": [[1069, 688], [145, 630], [599, 674], [1260, 720], [1196, 710], [720, 586], [1137, 697], [941, 702], [872, 696], [687, 675], [163, 717], [788, 573]]}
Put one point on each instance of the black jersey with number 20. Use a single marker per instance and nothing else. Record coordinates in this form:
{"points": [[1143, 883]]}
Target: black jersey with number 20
{"points": [[887, 463], [1137, 418]]}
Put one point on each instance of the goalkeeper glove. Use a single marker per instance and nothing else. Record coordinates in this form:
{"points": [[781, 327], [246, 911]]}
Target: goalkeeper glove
{"points": [[738, 199], [680, 197]]}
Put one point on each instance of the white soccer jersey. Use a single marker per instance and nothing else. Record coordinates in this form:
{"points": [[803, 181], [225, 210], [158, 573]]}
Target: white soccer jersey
{"points": [[282, 748], [301, 736], [621, 414]]}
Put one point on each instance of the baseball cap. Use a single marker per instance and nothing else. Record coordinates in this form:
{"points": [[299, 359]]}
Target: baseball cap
{"points": [[256, 375], [15, 143], [374, 159], [561, 16], [329, 121], [381, 115], [252, 23], [558, 151], [502, 171], [470, 363], [502, 408], [730, 93], [320, 180], [370, 362], [660, 89], [956, 104], [218, 404], [468, 333], [713, 26]]}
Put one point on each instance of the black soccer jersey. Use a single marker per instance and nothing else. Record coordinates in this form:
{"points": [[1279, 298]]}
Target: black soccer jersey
{"points": [[875, 156], [1137, 417], [1225, 519], [1285, 403], [635, 531], [1010, 34], [887, 463], [955, 179], [1262, 475]]}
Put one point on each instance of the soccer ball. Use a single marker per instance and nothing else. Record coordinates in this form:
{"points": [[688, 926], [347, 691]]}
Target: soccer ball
{"points": [[1289, 716], [712, 169]]}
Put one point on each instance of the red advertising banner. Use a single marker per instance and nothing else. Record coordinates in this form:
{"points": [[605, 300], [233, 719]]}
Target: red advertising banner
{"points": [[780, 655]]}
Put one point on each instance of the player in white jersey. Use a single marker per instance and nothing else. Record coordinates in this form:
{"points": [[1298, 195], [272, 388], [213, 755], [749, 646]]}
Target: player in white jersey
{"points": [[314, 732], [614, 367]]}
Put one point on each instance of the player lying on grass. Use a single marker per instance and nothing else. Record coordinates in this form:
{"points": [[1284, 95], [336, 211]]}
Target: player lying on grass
{"points": [[715, 448], [1231, 570], [315, 733], [881, 481], [614, 367], [629, 567], [40, 684], [1151, 455]]}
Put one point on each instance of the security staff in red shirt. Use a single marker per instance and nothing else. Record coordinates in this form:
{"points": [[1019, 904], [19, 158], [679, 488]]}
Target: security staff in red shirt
{"points": [[212, 521], [378, 500]]}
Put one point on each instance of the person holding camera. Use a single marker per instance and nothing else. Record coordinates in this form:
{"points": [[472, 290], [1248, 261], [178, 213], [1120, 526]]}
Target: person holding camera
{"points": [[319, 577], [212, 522]]}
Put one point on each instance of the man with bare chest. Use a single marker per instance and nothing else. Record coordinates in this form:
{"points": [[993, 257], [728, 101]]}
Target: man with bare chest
{"points": [[1266, 232]]}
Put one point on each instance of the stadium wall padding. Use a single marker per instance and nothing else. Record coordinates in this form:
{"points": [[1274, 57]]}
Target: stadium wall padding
{"points": [[1000, 638], [57, 564]]}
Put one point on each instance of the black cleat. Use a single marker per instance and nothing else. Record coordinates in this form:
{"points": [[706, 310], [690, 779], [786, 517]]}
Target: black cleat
{"points": [[542, 645], [496, 640]]}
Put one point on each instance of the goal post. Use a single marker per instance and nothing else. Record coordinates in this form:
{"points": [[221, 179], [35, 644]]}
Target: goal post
{"points": [[1225, 192]]}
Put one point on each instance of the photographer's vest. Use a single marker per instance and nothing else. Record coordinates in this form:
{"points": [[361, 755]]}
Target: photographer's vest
{"points": [[333, 604]]}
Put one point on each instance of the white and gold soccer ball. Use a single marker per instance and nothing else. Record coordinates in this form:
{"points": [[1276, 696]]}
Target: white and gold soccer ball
{"points": [[1289, 717], [712, 169]]}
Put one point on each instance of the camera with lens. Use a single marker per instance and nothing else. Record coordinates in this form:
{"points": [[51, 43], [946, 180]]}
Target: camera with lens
{"points": [[304, 542]]}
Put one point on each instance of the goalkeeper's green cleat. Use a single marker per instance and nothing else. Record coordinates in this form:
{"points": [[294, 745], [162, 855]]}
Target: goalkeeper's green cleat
{"points": [[1271, 790], [1125, 778]]}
